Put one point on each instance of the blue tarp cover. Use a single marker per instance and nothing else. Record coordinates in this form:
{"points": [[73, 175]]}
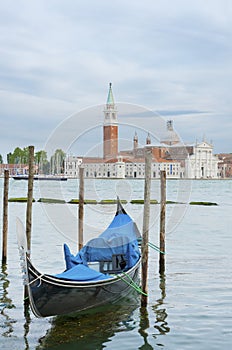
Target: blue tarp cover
{"points": [[82, 273], [119, 238]]}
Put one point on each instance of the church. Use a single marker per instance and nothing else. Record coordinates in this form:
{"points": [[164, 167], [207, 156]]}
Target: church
{"points": [[194, 161]]}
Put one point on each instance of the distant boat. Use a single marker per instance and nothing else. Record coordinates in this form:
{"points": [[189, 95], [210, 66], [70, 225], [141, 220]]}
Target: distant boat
{"points": [[104, 271], [42, 177]]}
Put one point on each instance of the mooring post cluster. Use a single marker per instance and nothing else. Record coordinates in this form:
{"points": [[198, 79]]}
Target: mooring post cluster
{"points": [[146, 216]]}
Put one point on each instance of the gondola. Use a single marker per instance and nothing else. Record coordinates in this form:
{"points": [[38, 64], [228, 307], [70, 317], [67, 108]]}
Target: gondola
{"points": [[105, 270]]}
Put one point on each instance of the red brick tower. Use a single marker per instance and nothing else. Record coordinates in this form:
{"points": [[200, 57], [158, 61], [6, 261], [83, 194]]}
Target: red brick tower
{"points": [[110, 129]]}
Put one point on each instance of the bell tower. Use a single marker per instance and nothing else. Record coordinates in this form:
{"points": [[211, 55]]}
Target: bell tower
{"points": [[148, 139], [110, 128], [135, 141]]}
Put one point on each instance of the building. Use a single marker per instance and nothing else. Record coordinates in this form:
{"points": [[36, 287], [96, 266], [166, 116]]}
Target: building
{"points": [[225, 165], [110, 128], [201, 163], [122, 168], [123, 164], [178, 160], [170, 138], [14, 169]]}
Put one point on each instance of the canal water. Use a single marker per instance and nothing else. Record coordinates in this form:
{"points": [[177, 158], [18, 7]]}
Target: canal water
{"points": [[190, 307]]}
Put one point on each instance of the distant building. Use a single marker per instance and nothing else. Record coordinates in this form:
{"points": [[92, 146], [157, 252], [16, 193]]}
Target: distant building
{"points": [[178, 160], [14, 169], [120, 168], [225, 165], [110, 128], [201, 163]]}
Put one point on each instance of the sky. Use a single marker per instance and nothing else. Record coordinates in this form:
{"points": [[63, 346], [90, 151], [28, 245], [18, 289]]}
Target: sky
{"points": [[58, 57]]}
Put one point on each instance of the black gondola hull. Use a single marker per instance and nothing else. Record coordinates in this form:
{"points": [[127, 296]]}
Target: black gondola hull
{"points": [[116, 249], [51, 296]]}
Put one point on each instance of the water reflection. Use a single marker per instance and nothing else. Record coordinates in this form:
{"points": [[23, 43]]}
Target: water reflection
{"points": [[161, 324], [26, 325], [6, 322], [95, 329], [143, 325], [90, 330]]}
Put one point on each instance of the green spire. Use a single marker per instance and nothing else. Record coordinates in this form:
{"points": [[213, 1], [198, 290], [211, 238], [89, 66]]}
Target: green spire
{"points": [[110, 99]]}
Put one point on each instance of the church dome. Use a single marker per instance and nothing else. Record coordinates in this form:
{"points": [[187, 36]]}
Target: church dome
{"points": [[170, 137]]}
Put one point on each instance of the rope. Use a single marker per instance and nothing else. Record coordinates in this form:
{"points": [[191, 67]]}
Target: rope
{"points": [[153, 246], [40, 280], [132, 284]]}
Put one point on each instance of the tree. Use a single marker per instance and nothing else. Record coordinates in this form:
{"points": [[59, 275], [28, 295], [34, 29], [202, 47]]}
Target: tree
{"points": [[57, 162], [16, 157], [1, 159], [25, 155], [42, 162], [56, 165]]}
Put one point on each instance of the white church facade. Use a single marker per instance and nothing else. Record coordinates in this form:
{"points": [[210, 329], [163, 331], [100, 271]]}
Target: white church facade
{"points": [[202, 164]]}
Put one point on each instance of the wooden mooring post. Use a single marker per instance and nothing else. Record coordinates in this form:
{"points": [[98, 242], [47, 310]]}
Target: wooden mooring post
{"points": [[162, 221], [29, 213], [5, 217], [81, 208], [146, 218], [30, 197]]}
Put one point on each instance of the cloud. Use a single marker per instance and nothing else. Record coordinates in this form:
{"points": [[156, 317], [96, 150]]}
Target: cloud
{"points": [[58, 57]]}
